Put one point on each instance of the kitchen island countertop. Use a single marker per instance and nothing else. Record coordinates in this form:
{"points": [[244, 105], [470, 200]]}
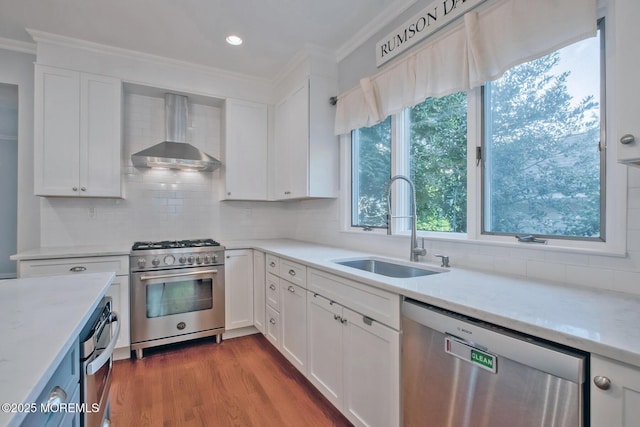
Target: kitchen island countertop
{"points": [[596, 321], [40, 318]]}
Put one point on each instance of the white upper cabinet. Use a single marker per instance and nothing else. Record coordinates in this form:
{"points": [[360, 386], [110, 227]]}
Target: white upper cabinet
{"points": [[77, 133], [627, 63], [305, 153], [246, 148]]}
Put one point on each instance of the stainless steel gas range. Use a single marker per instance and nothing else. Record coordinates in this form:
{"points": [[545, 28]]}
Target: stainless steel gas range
{"points": [[177, 292]]}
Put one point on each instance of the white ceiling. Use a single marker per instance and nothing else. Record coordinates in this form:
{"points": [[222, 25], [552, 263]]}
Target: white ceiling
{"points": [[194, 30]]}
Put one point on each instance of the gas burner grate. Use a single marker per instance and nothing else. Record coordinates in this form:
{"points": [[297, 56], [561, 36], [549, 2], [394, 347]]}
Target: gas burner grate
{"points": [[174, 244]]}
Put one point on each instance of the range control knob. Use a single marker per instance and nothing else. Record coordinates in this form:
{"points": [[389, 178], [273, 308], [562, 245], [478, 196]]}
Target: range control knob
{"points": [[169, 260], [198, 260], [182, 259], [207, 259], [142, 262], [190, 259], [214, 258], [155, 262]]}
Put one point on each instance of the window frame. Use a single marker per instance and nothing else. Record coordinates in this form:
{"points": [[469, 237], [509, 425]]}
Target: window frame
{"points": [[614, 189]]}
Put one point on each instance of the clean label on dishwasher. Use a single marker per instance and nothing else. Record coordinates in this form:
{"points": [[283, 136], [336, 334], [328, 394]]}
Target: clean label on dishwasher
{"points": [[470, 354]]}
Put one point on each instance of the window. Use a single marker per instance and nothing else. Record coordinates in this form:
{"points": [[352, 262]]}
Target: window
{"points": [[433, 155], [524, 155], [371, 169], [543, 166]]}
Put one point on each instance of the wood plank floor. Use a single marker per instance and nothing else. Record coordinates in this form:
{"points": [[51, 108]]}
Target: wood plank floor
{"points": [[240, 382]]}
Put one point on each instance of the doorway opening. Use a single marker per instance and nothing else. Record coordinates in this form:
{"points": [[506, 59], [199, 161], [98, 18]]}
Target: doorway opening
{"points": [[8, 178]]}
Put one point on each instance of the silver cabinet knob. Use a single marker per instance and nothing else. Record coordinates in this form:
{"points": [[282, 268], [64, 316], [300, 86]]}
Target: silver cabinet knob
{"points": [[603, 383], [292, 272], [627, 139], [272, 321], [56, 397], [272, 287], [75, 188], [272, 264], [83, 188], [291, 289]]}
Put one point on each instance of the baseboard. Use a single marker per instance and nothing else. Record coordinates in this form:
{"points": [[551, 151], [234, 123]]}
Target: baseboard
{"points": [[240, 332]]}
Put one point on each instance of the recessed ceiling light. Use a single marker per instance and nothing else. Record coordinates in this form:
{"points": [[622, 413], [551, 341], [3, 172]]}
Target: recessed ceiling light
{"points": [[234, 40]]}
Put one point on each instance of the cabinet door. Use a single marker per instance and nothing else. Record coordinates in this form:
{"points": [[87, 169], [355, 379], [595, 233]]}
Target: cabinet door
{"points": [[293, 320], [325, 347], [119, 293], [274, 332], [292, 145], [56, 131], [371, 372], [627, 61], [259, 281], [246, 143], [100, 136], [618, 405], [238, 287]]}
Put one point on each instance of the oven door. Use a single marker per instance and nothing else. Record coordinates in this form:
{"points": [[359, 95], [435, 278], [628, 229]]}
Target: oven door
{"points": [[176, 302], [96, 371]]}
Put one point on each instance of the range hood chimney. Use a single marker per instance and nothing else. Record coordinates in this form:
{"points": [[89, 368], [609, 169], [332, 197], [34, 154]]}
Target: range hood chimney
{"points": [[175, 152]]}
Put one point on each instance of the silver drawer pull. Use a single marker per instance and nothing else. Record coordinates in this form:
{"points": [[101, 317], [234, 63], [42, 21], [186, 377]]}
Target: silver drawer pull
{"points": [[272, 264], [78, 268], [603, 383], [272, 287], [56, 398], [291, 289], [292, 272], [272, 321]]}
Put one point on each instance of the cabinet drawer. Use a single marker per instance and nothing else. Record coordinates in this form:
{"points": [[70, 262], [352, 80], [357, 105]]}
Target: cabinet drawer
{"points": [[293, 272], [273, 327], [58, 266], [66, 381], [272, 290], [376, 303], [273, 264]]}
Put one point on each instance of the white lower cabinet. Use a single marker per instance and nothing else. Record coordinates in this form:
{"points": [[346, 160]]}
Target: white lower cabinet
{"points": [[354, 361], [259, 280], [238, 288], [293, 320], [615, 393]]}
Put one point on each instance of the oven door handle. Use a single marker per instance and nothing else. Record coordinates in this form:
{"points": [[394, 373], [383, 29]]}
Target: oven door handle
{"points": [[168, 276], [105, 356]]}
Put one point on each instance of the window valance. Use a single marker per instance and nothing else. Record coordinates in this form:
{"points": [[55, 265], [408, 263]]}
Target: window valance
{"points": [[480, 48]]}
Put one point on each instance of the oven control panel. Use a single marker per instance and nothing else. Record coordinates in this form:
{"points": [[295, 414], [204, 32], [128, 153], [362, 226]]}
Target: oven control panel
{"points": [[161, 260]]}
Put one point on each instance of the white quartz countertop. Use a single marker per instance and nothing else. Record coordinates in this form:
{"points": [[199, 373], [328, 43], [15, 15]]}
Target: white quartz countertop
{"points": [[601, 322], [72, 251], [40, 318]]}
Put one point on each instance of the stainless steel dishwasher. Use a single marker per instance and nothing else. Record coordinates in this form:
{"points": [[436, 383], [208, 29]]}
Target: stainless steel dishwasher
{"points": [[460, 372]]}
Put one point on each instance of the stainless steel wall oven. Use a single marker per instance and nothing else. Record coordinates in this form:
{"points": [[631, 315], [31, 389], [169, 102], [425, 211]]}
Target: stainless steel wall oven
{"points": [[97, 342], [177, 292]]}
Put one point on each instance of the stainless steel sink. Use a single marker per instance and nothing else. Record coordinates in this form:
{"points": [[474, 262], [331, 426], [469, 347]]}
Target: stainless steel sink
{"points": [[386, 268]]}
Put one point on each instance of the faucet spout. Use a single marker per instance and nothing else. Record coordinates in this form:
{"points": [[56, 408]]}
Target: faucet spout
{"points": [[415, 251]]}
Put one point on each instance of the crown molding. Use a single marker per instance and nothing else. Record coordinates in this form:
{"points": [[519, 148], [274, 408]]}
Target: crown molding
{"points": [[56, 39], [376, 24], [308, 51], [18, 46]]}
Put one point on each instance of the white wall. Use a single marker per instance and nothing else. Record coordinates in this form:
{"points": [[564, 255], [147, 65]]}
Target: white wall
{"points": [[16, 68], [160, 204]]}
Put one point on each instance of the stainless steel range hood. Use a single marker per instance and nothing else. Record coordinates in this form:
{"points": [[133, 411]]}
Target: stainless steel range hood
{"points": [[175, 152]]}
